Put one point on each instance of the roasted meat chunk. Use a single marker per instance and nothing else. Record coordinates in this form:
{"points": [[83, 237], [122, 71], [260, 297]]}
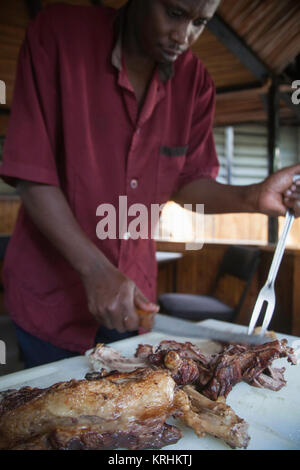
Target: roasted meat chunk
{"points": [[112, 410], [119, 410], [251, 364], [213, 375], [215, 418]]}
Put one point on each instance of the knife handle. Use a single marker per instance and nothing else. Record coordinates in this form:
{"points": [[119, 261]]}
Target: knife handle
{"points": [[146, 319]]}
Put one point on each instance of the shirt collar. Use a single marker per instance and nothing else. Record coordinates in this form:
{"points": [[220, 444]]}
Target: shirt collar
{"points": [[166, 71]]}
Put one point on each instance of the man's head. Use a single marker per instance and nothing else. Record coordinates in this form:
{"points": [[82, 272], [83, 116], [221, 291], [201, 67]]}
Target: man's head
{"points": [[164, 29]]}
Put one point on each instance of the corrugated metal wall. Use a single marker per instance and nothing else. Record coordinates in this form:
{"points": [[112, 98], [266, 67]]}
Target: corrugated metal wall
{"points": [[249, 162]]}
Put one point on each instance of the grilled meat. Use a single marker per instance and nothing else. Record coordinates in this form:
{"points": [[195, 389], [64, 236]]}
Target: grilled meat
{"points": [[215, 418], [213, 375], [116, 410], [128, 407], [119, 410], [251, 364]]}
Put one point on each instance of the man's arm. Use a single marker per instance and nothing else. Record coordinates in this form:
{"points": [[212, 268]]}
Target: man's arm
{"points": [[218, 198], [111, 296], [271, 197]]}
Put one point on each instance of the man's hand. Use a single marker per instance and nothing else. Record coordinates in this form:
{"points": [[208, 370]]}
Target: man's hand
{"points": [[277, 193], [272, 197], [113, 299], [292, 198]]}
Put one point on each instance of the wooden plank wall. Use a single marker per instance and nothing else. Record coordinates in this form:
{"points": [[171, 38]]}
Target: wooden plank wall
{"points": [[9, 208], [222, 227]]}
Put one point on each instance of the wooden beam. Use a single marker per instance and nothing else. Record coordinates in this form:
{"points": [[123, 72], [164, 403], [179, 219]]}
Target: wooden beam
{"points": [[236, 88], [247, 56], [249, 91], [241, 93], [238, 47]]}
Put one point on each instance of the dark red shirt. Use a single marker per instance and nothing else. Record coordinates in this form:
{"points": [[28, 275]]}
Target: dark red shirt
{"points": [[75, 124]]}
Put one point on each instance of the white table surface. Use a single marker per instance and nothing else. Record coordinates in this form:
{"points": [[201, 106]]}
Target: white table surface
{"points": [[162, 256], [273, 417]]}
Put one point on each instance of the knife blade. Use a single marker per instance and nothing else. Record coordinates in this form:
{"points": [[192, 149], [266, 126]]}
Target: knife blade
{"points": [[184, 328]]}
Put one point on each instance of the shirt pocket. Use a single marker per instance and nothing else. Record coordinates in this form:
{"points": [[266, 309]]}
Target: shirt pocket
{"points": [[171, 162]]}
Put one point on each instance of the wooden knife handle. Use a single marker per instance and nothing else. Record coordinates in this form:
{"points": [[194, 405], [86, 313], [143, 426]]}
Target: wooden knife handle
{"points": [[146, 319]]}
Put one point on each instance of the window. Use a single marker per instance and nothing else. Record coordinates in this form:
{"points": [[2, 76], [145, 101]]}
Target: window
{"points": [[243, 157]]}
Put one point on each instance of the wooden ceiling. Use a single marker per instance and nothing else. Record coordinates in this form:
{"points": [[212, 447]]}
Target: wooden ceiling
{"points": [[271, 28], [259, 32]]}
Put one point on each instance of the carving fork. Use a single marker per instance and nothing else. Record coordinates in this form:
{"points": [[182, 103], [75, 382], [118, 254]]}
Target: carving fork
{"points": [[267, 293]]}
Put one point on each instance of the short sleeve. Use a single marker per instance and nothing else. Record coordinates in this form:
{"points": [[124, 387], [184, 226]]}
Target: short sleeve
{"points": [[32, 136], [201, 159]]}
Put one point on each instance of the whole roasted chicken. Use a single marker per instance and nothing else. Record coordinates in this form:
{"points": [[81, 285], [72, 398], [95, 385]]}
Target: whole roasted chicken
{"points": [[125, 402], [119, 410]]}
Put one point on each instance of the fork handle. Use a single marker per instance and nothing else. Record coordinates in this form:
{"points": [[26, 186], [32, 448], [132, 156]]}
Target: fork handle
{"points": [[289, 219]]}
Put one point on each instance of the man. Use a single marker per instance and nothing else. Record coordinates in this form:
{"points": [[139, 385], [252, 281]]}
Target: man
{"points": [[108, 104]]}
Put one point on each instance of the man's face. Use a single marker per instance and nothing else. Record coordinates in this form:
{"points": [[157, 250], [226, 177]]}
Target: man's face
{"points": [[167, 28]]}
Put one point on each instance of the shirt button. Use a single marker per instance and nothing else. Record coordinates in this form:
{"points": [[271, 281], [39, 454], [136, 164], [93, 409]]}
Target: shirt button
{"points": [[126, 236], [134, 183]]}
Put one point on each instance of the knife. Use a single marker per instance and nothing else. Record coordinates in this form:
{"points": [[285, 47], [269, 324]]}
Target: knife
{"points": [[178, 327]]}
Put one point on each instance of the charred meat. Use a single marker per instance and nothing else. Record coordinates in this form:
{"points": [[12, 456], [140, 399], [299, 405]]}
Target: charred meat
{"points": [[213, 375]]}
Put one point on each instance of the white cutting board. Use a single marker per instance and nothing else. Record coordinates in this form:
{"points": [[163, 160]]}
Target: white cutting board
{"points": [[273, 417]]}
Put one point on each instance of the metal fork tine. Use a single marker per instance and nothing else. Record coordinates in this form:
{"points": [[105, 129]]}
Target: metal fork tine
{"points": [[268, 316], [267, 293], [256, 312]]}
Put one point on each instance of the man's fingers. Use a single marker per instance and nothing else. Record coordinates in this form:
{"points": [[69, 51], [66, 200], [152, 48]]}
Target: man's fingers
{"points": [[294, 204], [146, 310], [296, 208], [121, 312], [142, 303], [292, 198], [131, 322], [126, 315], [124, 318]]}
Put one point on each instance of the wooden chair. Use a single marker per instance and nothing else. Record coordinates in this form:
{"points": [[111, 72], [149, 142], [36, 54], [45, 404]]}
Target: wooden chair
{"points": [[240, 262]]}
